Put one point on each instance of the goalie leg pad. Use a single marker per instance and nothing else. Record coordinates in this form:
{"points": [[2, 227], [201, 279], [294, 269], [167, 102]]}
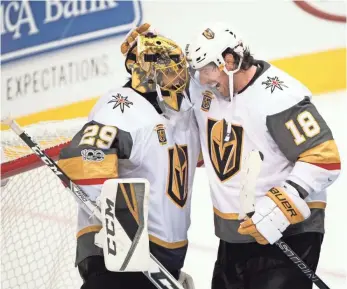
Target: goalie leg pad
{"points": [[96, 276], [124, 237]]}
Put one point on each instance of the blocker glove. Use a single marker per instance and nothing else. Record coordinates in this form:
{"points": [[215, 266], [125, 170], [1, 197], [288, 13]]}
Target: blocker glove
{"points": [[132, 36], [274, 212]]}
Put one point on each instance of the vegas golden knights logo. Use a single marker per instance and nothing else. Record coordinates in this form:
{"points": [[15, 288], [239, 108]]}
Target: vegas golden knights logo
{"points": [[177, 183], [208, 33], [206, 101], [161, 134], [224, 147]]}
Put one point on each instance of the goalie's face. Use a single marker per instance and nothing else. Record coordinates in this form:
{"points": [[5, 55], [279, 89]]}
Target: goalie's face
{"points": [[171, 81], [172, 77]]}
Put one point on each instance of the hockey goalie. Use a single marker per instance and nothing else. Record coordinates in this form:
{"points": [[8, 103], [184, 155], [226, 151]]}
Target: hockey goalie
{"points": [[145, 129]]}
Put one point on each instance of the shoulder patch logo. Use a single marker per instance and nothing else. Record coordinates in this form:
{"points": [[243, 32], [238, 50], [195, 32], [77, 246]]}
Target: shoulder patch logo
{"points": [[160, 129], [121, 101], [91, 155], [206, 101], [273, 82], [208, 33]]}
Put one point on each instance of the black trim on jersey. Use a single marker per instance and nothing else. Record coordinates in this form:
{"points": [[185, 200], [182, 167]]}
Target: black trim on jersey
{"points": [[302, 192], [172, 259], [262, 66], [151, 97]]}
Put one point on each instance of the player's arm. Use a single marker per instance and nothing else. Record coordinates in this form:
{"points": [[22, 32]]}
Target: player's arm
{"points": [[92, 161], [94, 152], [305, 139]]}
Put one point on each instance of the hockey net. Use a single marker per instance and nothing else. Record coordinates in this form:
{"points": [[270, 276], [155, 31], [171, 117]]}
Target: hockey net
{"points": [[38, 215]]}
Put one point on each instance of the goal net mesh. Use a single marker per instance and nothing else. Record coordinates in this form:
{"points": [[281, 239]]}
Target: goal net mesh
{"points": [[38, 215]]}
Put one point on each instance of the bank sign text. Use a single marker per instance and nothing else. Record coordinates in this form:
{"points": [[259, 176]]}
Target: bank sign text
{"points": [[32, 27]]}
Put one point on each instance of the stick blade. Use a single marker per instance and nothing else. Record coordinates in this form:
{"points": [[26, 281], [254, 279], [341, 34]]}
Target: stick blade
{"points": [[250, 172]]}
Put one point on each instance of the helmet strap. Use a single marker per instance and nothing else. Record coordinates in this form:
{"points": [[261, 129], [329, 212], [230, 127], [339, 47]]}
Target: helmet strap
{"points": [[231, 73]]}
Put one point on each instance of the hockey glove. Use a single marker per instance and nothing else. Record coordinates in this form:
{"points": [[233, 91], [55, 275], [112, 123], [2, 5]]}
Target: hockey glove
{"points": [[132, 36], [274, 212]]}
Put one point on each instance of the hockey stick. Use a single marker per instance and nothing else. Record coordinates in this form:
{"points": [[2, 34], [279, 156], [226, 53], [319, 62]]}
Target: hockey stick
{"points": [[159, 276], [247, 200]]}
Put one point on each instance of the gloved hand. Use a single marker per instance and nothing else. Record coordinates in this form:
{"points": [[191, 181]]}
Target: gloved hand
{"points": [[274, 212], [186, 280], [131, 37]]}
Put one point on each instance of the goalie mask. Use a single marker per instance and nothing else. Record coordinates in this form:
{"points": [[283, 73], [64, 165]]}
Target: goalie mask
{"points": [[157, 64]]}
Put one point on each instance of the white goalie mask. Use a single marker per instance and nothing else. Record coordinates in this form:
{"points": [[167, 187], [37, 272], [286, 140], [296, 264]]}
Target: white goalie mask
{"points": [[208, 48]]}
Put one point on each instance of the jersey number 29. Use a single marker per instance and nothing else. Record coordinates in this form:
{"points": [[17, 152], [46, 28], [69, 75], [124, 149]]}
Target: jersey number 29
{"points": [[102, 137]]}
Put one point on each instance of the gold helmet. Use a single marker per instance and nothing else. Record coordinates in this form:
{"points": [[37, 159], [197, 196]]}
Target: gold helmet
{"points": [[156, 63]]}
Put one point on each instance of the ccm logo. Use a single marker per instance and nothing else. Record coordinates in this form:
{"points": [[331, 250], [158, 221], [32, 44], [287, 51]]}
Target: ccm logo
{"points": [[47, 161], [110, 227]]}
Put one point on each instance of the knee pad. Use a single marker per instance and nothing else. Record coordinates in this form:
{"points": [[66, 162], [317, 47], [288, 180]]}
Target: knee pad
{"points": [[91, 266]]}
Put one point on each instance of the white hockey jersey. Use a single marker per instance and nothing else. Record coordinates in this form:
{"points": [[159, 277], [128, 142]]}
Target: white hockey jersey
{"points": [[274, 115], [137, 142]]}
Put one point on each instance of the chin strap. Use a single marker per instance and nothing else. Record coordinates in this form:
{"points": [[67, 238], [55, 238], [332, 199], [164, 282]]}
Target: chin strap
{"points": [[231, 78]]}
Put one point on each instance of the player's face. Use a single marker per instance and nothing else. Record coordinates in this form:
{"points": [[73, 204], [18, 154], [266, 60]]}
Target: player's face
{"points": [[210, 75]]}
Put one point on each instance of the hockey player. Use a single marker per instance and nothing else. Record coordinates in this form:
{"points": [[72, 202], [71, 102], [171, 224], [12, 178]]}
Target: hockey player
{"points": [[243, 104], [141, 130]]}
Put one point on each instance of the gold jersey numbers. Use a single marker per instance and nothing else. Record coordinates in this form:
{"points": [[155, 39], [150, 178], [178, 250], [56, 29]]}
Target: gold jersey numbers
{"points": [[308, 125], [100, 136]]}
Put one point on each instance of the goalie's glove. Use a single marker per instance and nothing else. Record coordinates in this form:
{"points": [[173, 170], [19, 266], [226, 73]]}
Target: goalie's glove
{"points": [[186, 280], [132, 36], [274, 212]]}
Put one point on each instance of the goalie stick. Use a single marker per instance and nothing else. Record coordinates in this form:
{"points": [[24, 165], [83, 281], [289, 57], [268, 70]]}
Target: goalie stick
{"points": [[159, 276], [250, 173]]}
